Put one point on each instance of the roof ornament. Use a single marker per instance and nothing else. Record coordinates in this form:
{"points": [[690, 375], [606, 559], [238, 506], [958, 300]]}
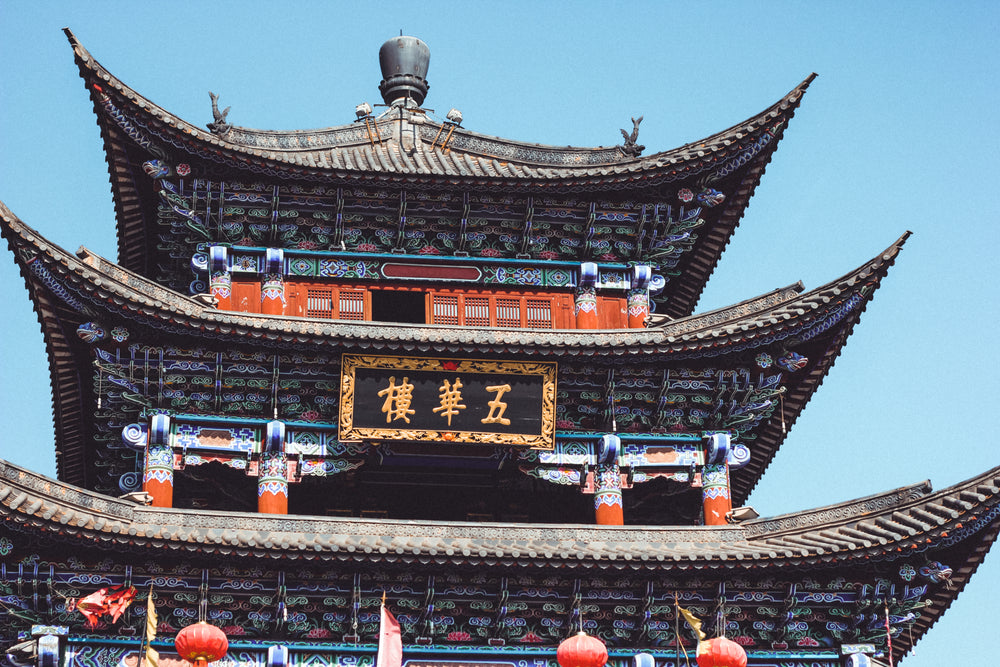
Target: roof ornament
{"points": [[632, 147], [404, 61], [218, 126]]}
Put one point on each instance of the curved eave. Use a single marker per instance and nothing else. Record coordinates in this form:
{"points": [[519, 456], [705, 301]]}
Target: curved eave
{"points": [[440, 168], [888, 526], [300, 161], [701, 262], [113, 286], [71, 395], [794, 402]]}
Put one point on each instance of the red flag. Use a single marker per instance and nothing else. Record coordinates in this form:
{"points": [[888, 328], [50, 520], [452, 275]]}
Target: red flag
{"points": [[390, 641], [105, 602]]}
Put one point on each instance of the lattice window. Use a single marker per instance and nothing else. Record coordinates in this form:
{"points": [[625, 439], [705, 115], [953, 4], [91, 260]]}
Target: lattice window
{"points": [[445, 309], [508, 313], [319, 303], [352, 305], [477, 311], [538, 314]]}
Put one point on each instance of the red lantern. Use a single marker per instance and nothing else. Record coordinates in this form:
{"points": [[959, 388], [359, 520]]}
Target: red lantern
{"points": [[201, 643], [721, 652], [582, 650]]}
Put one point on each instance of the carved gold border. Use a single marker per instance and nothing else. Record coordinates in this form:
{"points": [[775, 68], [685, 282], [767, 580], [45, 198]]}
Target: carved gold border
{"points": [[546, 369]]}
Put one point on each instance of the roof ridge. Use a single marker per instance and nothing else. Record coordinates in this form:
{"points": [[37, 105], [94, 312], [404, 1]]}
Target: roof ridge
{"points": [[571, 159]]}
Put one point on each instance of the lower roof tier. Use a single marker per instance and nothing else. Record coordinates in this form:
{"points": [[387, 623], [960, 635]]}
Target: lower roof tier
{"points": [[801, 584]]}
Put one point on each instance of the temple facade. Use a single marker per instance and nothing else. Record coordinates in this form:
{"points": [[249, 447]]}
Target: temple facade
{"points": [[399, 357]]}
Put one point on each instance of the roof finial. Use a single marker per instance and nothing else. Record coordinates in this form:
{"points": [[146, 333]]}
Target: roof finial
{"points": [[632, 147], [404, 61], [218, 125]]}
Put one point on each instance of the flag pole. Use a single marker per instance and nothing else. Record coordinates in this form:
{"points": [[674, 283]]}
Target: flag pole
{"points": [[390, 646]]}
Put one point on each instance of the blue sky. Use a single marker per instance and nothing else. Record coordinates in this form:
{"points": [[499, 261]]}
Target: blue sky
{"points": [[901, 131]]}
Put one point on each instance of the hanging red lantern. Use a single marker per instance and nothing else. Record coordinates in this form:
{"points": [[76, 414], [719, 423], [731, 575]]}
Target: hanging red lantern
{"points": [[582, 650], [721, 652], [201, 643]]}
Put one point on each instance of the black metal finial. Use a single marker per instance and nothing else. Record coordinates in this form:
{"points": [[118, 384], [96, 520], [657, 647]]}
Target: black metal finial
{"points": [[404, 61]]}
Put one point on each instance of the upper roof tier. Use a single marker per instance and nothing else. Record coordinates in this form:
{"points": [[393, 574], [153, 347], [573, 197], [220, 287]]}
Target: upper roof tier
{"points": [[673, 209], [374, 150]]}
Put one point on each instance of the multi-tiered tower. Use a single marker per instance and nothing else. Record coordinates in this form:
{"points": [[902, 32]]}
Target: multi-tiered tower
{"points": [[400, 355]]}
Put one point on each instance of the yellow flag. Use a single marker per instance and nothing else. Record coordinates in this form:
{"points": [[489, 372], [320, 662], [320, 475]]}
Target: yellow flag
{"points": [[152, 657], [693, 622]]}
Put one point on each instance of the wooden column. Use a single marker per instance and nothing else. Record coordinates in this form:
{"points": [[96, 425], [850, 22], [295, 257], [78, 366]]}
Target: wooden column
{"points": [[638, 296], [220, 280], [715, 493], [585, 301], [272, 286], [585, 307], [638, 308], [158, 465], [272, 475], [608, 496], [272, 483]]}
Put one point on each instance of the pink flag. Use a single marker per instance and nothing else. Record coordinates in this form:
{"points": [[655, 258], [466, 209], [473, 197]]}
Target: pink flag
{"points": [[390, 642]]}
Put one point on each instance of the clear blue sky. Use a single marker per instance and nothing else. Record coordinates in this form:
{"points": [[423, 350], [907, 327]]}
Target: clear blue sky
{"points": [[901, 131]]}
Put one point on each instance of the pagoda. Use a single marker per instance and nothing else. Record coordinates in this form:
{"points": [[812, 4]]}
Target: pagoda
{"points": [[397, 359]]}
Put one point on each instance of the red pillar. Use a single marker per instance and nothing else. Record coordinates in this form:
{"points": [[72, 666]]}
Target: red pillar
{"points": [[158, 465], [272, 483], [272, 294], [221, 287], [608, 496], [220, 280], [158, 475], [272, 475], [715, 493], [585, 302], [638, 308], [272, 288], [638, 296], [585, 306]]}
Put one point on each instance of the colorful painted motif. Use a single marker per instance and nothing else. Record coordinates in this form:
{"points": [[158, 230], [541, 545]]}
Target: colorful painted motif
{"points": [[159, 466], [220, 284], [272, 288], [608, 487], [273, 476], [710, 197], [715, 481], [792, 361], [90, 332], [156, 169], [638, 305], [585, 301]]}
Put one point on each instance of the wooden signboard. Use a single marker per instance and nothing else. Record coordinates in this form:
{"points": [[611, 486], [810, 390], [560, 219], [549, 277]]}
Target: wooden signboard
{"points": [[421, 399]]}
